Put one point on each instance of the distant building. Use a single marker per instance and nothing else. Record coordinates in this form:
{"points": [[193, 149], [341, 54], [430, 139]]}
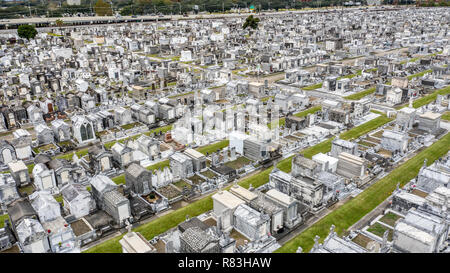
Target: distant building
{"points": [[73, 2]]}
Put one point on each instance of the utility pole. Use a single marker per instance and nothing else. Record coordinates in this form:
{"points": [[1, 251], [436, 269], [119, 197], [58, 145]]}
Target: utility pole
{"points": [[180, 7], [223, 7], [29, 8]]}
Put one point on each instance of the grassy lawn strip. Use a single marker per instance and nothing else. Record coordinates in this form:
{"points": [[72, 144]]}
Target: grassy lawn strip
{"points": [[54, 34], [360, 95], [58, 198], [358, 73], [267, 98], [446, 116], [378, 229], [312, 87], [181, 184], [364, 128], [352, 211], [2, 219], [159, 165], [213, 147], [390, 219], [420, 74], [429, 98], [180, 95], [130, 125], [322, 147], [69, 156], [238, 163]]}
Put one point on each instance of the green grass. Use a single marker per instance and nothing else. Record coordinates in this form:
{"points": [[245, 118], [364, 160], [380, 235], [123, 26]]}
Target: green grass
{"points": [[2, 219], [68, 156], [29, 189], [360, 95], [209, 174], [308, 111], [364, 128], [267, 98], [159, 165], [353, 210], [350, 76], [429, 98], [130, 125], [54, 34], [322, 147], [181, 184], [420, 74], [281, 122], [446, 116], [58, 198], [378, 229], [390, 218], [119, 179], [238, 163], [180, 95], [30, 168], [312, 87], [213, 147]]}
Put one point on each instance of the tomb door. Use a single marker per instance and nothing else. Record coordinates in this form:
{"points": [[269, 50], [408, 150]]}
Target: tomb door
{"points": [[12, 121], [23, 177], [105, 163], [47, 183], [64, 177], [50, 107], [61, 135], [7, 157]]}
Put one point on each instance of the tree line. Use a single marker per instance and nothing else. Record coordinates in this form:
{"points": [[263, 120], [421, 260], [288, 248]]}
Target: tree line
{"points": [[53, 8]]}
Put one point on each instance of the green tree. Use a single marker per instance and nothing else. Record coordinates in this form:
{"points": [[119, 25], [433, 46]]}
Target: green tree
{"points": [[27, 31], [251, 22], [102, 8], [59, 23]]}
